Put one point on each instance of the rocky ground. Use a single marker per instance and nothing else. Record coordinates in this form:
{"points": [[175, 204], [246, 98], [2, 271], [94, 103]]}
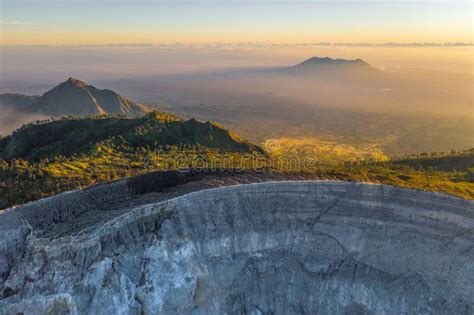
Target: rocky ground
{"points": [[181, 242]]}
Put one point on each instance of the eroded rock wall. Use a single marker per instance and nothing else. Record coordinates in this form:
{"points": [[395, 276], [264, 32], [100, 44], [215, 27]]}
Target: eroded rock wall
{"points": [[270, 248]]}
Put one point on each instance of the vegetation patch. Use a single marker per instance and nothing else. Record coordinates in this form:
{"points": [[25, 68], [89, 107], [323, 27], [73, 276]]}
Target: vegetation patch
{"points": [[47, 158]]}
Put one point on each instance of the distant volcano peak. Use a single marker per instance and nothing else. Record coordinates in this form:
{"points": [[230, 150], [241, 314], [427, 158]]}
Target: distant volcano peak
{"points": [[76, 97], [327, 61]]}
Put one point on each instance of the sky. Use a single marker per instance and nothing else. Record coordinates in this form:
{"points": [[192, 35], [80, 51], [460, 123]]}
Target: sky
{"points": [[99, 22]]}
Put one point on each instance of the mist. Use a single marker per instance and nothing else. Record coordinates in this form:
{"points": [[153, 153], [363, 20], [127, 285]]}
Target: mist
{"points": [[411, 99], [33, 69], [11, 119]]}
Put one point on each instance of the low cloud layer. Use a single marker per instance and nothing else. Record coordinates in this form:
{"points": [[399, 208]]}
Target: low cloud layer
{"points": [[11, 119]]}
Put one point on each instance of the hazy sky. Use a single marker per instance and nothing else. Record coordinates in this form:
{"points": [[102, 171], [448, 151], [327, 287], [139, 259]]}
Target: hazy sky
{"points": [[64, 22]]}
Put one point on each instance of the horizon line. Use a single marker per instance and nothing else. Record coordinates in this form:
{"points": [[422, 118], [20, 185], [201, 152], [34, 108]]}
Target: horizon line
{"points": [[258, 44]]}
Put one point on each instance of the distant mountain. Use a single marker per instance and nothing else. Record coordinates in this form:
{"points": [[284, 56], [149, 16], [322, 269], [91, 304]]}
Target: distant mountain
{"points": [[75, 136], [75, 97], [326, 61], [327, 64]]}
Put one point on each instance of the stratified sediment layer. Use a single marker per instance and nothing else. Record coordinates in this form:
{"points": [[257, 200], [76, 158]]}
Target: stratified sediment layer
{"points": [[301, 247]]}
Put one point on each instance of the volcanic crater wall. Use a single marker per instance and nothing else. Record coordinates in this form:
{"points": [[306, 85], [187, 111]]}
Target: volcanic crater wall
{"points": [[269, 248]]}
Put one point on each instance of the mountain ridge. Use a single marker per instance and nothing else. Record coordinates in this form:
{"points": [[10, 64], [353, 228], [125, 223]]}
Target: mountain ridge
{"points": [[332, 61], [82, 135], [328, 65], [76, 97]]}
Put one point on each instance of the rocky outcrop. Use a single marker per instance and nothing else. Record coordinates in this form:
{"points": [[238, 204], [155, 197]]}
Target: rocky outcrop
{"points": [[302, 247]]}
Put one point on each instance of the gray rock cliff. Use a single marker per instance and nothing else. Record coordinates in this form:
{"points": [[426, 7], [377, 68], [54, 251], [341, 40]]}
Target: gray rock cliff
{"points": [[290, 247]]}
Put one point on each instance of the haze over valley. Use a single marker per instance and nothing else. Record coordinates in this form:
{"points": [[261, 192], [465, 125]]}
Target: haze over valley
{"points": [[396, 100]]}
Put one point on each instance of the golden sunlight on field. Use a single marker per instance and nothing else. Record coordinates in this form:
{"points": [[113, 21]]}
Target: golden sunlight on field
{"points": [[322, 151]]}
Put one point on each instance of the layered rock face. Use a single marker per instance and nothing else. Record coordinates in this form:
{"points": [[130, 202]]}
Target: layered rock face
{"points": [[301, 247]]}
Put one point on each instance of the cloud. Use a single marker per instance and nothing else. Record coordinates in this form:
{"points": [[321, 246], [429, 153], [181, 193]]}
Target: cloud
{"points": [[11, 119], [17, 22], [12, 22]]}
